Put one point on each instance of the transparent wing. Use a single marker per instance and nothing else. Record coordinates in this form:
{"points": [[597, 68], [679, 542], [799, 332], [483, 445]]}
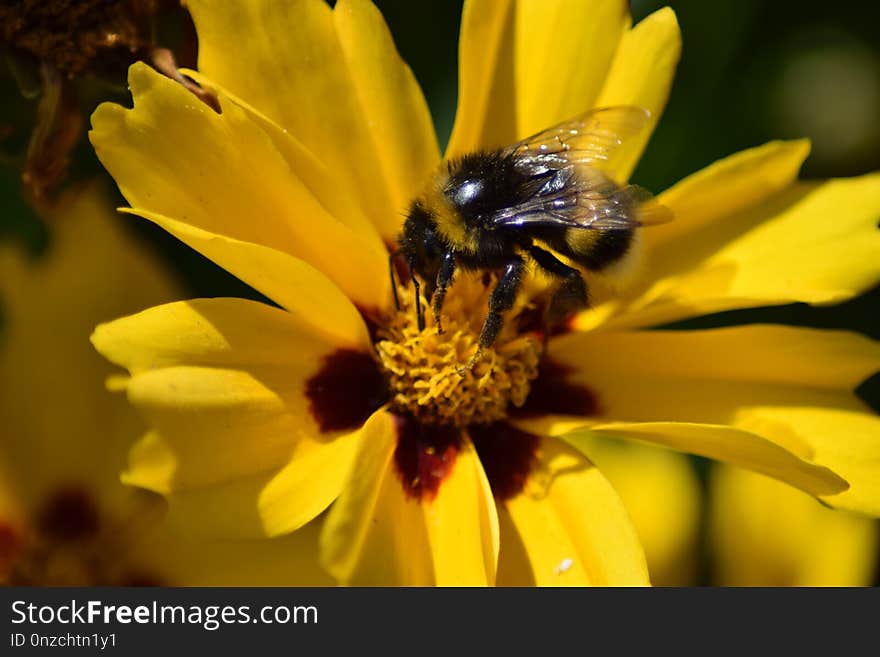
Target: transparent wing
{"points": [[570, 166], [588, 204], [592, 139]]}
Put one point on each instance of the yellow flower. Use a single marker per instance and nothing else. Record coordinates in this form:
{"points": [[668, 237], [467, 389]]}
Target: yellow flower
{"points": [[65, 518], [263, 417]]}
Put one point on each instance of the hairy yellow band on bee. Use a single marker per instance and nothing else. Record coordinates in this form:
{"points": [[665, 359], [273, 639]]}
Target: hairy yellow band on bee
{"points": [[580, 240]]}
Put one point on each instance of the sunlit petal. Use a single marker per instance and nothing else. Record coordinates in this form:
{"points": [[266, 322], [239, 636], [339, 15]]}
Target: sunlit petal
{"points": [[174, 157], [231, 417], [379, 533], [813, 242], [333, 79], [567, 527], [641, 74], [661, 493], [680, 389], [517, 57]]}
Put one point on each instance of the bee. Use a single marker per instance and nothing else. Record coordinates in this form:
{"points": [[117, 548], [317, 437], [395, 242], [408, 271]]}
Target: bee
{"points": [[549, 195]]}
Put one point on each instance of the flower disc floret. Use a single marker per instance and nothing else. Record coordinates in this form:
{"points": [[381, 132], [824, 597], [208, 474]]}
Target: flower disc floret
{"points": [[430, 374]]}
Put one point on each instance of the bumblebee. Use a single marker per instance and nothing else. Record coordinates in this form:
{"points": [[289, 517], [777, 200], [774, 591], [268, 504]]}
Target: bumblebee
{"points": [[548, 195]]}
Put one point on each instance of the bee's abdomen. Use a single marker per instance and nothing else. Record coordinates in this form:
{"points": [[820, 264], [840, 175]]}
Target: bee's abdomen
{"points": [[592, 249], [602, 248]]}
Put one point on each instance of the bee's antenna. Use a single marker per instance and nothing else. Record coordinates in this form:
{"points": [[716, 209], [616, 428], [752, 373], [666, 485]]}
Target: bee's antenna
{"points": [[391, 257]]}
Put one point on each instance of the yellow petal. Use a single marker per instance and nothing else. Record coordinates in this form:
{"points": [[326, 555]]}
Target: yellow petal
{"points": [[333, 79], [764, 533], [392, 104], [234, 331], [379, 533], [730, 185], [290, 282], [224, 424], [221, 173], [225, 384], [707, 379], [228, 352], [788, 462], [320, 180], [270, 503], [641, 74], [846, 440], [152, 465], [568, 527], [529, 64], [486, 103], [814, 242], [661, 493], [563, 51], [730, 357]]}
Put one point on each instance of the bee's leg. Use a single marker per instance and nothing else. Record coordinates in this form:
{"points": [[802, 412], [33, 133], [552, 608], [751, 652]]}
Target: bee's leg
{"points": [[420, 317], [571, 295], [444, 278], [501, 301]]}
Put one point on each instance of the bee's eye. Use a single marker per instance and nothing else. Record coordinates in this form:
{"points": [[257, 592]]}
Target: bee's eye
{"points": [[468, 192]]}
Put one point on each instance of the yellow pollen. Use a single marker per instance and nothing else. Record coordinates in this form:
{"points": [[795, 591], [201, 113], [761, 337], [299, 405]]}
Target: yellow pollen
{"points": [[427, 370]]}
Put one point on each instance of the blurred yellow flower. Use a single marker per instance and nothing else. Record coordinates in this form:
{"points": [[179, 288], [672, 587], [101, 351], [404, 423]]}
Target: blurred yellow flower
{"points": [[758, 531], [763, 533], [65, 518], [263, 417]]}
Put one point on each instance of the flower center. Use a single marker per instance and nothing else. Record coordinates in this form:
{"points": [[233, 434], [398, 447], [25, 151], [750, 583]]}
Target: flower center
{"points": [[428, 371]]}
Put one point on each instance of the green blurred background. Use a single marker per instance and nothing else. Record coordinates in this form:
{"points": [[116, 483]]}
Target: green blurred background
{"points": [[751, 71]]}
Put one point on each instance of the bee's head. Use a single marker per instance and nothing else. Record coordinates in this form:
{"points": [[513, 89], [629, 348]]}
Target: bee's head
{"points": [[419, 242]]}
